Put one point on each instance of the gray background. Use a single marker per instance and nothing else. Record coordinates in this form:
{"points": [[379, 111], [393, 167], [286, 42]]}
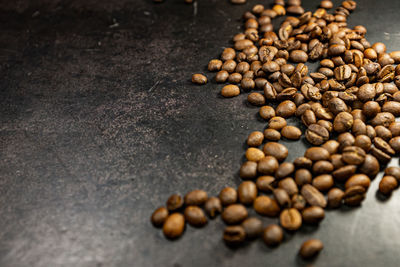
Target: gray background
{"points": [[100, 124]]}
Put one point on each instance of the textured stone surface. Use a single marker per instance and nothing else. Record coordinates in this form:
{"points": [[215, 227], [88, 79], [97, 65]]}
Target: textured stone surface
{"points": [[100, 124]]}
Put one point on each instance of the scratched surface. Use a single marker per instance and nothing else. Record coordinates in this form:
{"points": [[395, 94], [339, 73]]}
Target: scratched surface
{"points": [[99, 124]]}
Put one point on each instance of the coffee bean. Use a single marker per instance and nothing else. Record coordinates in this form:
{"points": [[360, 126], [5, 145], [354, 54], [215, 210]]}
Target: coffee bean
{"points": [[265, 183], [387, 185], [363, 142], [345, 140], [345, 172], [272, 235], [317, 153], [336, 50], [308, 118], [252, 227], [238, 2], [394, 128], [383, 132], [337, 161], [228, 196], [268, 165], [174, 202], [230, 90], [370, 166], [313, 215], [174, 226], [383, 145], [332, 146], [249, 84], [371, 108], [199, 79], [256, 99], [343, 122], [235, 78], [159, 216], [359, 127], [289, 185], [353, 196], [286, 109], [272, 134], [393, 171], [310, 248], [395, 55], [248, 170], [353, 155], [290, 219], [313, 196], [221, 76], [234, 235], [247, 192], [326, 4], [228, 54], [291, 132], [254, 154], [266, 206], [279, 151], [267, 112], [195, 216], [392, 107], [234, 214], [342, 72], [282, 197], [284, 170], [383, 118], [277, 123], [323, 166], [298, 56], [213, 207], [255, 139], [335, 198], [316, 134], [302, 177], [358, 180], [215, 65], [323, 182], [337, 105], [196, 198], [302, 162]]}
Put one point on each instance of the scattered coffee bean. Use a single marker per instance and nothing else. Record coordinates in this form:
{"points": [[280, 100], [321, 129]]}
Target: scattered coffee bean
{"points": [[290, 219], [264, 183], [335, 198], [230, 90], [213, 207], [199, 79], [228, 196], [387, 185], [313, 196], [358, 180], [247, 192], [174, 226], [291, 132], [195, 216], [272, 134], [234, 214], [272, 235], [266, 206], [174, 202], [159, 216], [313, 215], [255, 139], [310, 248], [279, 151], [234, 235], [252, 227], [353, 196], [248, 170]]}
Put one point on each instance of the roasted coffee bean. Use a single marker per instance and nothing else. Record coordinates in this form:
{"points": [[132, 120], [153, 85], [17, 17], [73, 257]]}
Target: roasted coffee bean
{"points": [[290, 219], [326, 4], [298, 56], [282, 197], [366, 92], [267, 112], [272, 235], [371, 109], [343, 173], [313, 215], [235, 78], [343, 122], [195, 216], [317, 153], [228, 54], [335, 198], [323, 182], [345, 140], [247, 192], [337, 161], [255, 139], [199, 79], [215, 65], [302, 177], [196, 198], [302, 162], [336, 50], [272, 134], [230, 65], [395, 144], [383, 145], [174, 226], [291, 132], [392, 107], [289, 185], [268, 165], [358, 180], [326, 124], [277, 123], [286, 109], [370, 166], [248, 170], [159, 216], [313, 196], [308, 117], [252, 227], [254, 154], [382, 118], [298, 202], [342, 72], [234, 235], [394, 128], [337, 105], [353, 155], [284, 170], [248, 84], [387, 185], [266, 206], [359, 127], [395, 55], [174, 202], [221, 76], [383, 132], [213, 207], [353, 196], [265, 183], [322, 166], [230, 90], [393, 171], [279, 151], [316, 134], [228, 196], [256, 99], [332, 146], [234, 214], [310, 248]]}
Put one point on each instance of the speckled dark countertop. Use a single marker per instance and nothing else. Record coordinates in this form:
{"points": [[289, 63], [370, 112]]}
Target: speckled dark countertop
{"points": [[99, 124]]}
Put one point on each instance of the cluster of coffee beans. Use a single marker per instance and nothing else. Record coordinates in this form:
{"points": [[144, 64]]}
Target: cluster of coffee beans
{"points": [[348, 108]]}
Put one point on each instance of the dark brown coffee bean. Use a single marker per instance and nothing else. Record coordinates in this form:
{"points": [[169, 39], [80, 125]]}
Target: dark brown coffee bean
{"points": [[174, 226], [298, 56], [353, 196], [282, 197], [199, 79], [308, 117], [332, 146], [387, 185], [395, 144], [234, 235], [213, 207], [370, 166], [323, 182], [383, 145], [302, 177], [335, 198], [290, 219], [337, 161], [284, 170], [267, 112], [302, 162], [272, 134], [317, 153], [289, 185], [383, 132], [353, 155], [358, 180], [343, 122], [345, 140], [396, 56], [383, 118], [228, 196], [336, 50], [234, 214], [252, 227], [342, 72], [394, 128], [256, 99], [326, 124], [279, 151], [248, 170], [345, 172], [272, 235], [265, 183], [313, 196], [363, 142], [195, 216], [310, 248], [286, 109], [230, 90], [313, 215], [159, 216], [174, 202], [268, 165], [235, 78], [322, 166], [266, 206], [196, 198], [277, 123], [247, 192], [371, 108], [316, 134]]}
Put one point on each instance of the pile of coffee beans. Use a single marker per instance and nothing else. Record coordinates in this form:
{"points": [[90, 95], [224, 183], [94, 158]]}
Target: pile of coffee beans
{"points": [[348, 108]]}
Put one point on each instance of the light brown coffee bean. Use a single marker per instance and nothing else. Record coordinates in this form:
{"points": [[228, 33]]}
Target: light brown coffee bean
{"points": [[282, 197], [266, 206], [343, 173], [290, 219], [395, 144], [159, 216], [279, 151], [254, 154], [332, 146], [268, 165], [196, 198], [199, 79], [265, 183], [230, 90], [285, 169], [363, 142], [383, 118], [289, 185], [323, 182], [291, 132], [255, 139], [302, 177], [272, 134], [267, 112], [353, 155], [174, 226], [286, 109], [298, 56], [195, 216], [302, 162], [322, 166]]}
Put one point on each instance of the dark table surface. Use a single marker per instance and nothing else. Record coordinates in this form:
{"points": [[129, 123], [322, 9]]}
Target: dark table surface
{"points": [[99, 124]]}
